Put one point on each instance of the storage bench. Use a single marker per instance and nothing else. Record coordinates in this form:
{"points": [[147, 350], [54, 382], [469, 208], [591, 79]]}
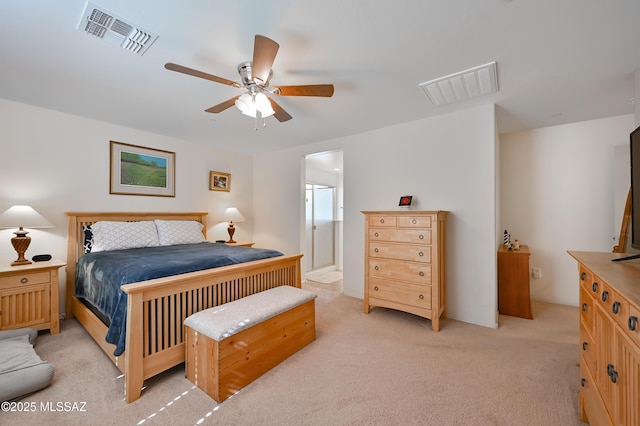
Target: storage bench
{"points": [[231, 345]]}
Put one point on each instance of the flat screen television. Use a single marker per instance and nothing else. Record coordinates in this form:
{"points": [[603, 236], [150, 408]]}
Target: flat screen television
{"points": [[634, 147]]}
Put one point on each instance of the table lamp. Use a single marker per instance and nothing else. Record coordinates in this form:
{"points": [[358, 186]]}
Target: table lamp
{"points": [[22, 217], [231, 215]]}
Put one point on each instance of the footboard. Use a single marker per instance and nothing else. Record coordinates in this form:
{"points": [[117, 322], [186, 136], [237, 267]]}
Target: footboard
{"points": [[157, 309]]}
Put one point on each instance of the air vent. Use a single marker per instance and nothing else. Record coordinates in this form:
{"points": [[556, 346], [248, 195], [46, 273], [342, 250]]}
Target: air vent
{"points": [[107, 26], [474, 82]]}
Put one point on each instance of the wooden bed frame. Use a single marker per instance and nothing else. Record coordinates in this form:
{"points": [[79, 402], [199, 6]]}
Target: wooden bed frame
{"points": [[157, 308]]}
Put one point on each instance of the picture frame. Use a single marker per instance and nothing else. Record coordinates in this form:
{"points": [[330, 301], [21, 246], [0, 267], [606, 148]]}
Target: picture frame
{"points": [[219, 181], [405, 200], [138, 170]]}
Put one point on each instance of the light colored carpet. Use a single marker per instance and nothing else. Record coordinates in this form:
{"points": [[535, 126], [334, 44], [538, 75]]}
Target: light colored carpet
{"points": [[384, 368], [325, 277]]}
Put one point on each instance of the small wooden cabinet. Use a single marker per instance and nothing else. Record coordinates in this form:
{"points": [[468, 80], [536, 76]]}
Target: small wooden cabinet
{"points": [[405, 262], [513, 282], [609, 339], [29, 296]]}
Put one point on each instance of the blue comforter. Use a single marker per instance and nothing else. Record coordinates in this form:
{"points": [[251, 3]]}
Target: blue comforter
{"points": [[100, 275]]}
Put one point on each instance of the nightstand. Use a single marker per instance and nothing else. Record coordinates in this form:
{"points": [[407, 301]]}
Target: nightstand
{"points": [[29, 296], [243, 244]]}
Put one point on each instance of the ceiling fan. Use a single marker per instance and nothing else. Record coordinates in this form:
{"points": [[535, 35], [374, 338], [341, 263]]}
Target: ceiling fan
{"points": [[255, 76]]}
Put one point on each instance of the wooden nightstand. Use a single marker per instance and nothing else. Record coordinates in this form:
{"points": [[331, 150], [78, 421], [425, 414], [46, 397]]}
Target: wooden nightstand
{"points": [[29, 296], [244, 244]]}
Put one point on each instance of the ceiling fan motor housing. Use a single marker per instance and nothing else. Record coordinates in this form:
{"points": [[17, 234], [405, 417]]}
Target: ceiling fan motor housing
{"points": [[246, 74]]}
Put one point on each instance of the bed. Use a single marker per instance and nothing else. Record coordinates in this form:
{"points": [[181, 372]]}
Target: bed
{"points": [[156, 308]]}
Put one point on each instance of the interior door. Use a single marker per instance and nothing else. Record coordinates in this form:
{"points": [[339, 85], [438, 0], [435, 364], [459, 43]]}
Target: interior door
{"points": [[320, 230]]}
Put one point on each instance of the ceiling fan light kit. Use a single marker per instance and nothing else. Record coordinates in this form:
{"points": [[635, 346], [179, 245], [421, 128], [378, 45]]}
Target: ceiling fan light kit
{"points": [[255, 76]]}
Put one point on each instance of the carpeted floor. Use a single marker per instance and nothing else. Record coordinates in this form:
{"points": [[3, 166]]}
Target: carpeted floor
{"points": [[384, 368]]}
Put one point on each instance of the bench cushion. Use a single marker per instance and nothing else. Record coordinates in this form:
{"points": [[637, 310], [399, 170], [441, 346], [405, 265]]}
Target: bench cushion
{"points": [[225, 320]]}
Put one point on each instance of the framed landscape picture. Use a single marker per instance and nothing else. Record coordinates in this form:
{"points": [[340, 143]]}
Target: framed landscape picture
{"points": [[219, 181], [136, 170]]}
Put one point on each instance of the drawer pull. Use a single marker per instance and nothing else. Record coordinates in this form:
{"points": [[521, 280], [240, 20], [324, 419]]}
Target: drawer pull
{"points": [[584, 346], [376, 267], [633, 323], [381, 220], [376, 288], [605, 294], [421, 273], [376, 249], [615, 308], [594, 287], [376, 235], [583, 382], [613, 374], [24, 280], [584, 307], [583, 276], [414, 221], [421, 236], [420, 254], [421, 296]]}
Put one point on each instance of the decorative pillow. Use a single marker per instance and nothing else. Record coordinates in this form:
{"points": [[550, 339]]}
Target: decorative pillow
{"points": [[88, 238], [172, 232], [123, 235]]}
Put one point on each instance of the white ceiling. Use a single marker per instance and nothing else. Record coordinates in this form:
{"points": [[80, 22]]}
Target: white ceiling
{"points": [[558, 61]]}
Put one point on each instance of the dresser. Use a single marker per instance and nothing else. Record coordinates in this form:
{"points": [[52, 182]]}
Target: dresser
{"points": [[513, 282], [609, 338], [29, 296], [405, 262]]}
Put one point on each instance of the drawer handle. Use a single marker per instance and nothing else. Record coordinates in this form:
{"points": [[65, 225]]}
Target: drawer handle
{"points": [[633, 323], [612, 373], [615, 308], [375, 235], [24, 280], [421, 274], [376, 267], [584, 307], [605, 295], [381, 220], [376, 249], [421, 236], [421, 296], [594, 287], [376, 288], [420, 254], [584, 346], [583, 382], [583, 276], [414, 221]]}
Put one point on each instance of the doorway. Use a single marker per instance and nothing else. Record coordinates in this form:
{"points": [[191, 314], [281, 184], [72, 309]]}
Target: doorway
{"points": [[320, 230]]}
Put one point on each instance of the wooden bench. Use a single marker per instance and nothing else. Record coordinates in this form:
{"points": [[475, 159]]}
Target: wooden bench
{"points": [[231, 345]]}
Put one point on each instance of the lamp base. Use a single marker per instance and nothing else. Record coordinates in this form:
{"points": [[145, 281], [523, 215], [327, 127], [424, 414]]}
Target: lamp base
{"points": [[231, 230], [21, 243]]}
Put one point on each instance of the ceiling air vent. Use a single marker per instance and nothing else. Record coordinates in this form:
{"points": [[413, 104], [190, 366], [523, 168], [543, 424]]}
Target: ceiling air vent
{"points": [[109, 27], [462, 85]]}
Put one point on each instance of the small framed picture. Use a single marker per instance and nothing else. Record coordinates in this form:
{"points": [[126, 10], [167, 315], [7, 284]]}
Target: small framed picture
{"points": [[219, 181], [405, 200]]}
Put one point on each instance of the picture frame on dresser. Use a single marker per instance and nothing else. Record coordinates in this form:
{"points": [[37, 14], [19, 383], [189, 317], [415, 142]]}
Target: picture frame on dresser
{"points": [[138, 170]]}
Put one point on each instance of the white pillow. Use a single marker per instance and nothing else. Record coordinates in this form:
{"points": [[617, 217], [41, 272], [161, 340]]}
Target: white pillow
{"points": [[123, 235], [172, 232]]}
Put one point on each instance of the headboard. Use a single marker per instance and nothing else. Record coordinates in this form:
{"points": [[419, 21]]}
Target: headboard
{"points": [[75, 234]]}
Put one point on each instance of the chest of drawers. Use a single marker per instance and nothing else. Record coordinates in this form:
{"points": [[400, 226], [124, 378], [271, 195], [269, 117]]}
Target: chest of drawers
{"points": [[405, 262]]}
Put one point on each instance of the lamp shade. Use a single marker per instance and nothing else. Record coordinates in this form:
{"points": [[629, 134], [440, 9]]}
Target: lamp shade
{"points": [[232, 214], [23, 216]]}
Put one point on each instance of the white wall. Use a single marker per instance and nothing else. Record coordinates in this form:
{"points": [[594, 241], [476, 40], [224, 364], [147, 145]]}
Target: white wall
{"points": [[445, 162], [557, 194], [58, 162]]}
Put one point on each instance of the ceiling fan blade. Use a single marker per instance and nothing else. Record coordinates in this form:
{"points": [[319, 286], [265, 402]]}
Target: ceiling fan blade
{"points": [[264, 53], [189, 71], [222, 106], [325, 90], [280, 114]]}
